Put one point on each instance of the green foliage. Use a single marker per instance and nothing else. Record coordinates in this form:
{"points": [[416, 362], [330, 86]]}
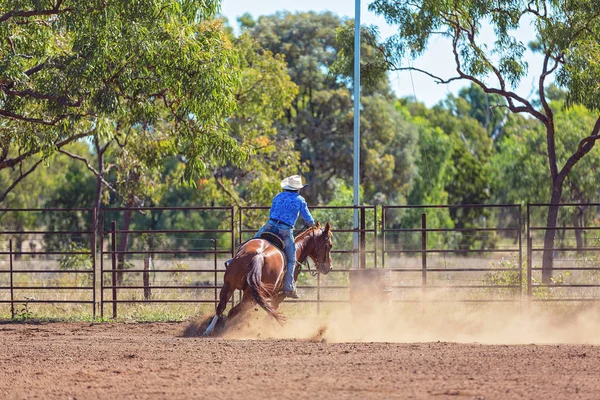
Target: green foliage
{"points": [[520, 172], [373, 64], [179, 274], [510, 273], [160, 67], [23, 314], [566, 36], [76, 262], [265, 92], [320, 117]]}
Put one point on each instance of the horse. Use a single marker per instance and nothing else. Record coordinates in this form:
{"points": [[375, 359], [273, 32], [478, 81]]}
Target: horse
{"points": [[258, 269]]}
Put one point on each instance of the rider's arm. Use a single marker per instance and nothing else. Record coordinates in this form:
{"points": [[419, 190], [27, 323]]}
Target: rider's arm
{"points": [[308, 218]]}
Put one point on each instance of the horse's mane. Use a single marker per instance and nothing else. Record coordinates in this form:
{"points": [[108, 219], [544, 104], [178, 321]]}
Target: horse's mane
{"points": [[307, 231]]}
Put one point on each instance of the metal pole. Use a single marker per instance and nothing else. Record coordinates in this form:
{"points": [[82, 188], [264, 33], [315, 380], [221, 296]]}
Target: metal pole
{"points": [[383, 236], [215, 261], [520, 253], [363, 239], [94, 230], [12, 293], [529, 255], [241, 226], [424, 250], [113, 247], [101, 232], [375, 236], [232, 220], [356, 125]]}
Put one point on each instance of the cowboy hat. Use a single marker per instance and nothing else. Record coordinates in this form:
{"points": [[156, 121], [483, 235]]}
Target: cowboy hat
{"points": [[293, 182]]}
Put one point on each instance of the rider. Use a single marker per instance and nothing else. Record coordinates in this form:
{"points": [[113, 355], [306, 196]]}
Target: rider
{"points": [[283, 215]]}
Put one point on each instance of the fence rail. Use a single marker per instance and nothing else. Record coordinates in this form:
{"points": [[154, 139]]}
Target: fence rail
{"points": [[159, 259]]}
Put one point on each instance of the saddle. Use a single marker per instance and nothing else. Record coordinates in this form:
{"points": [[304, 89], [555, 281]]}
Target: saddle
{"points": [[274, 240]]}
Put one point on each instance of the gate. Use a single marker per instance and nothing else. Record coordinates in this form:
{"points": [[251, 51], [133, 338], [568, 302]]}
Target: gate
{"points": [[436, 261], [575, 273], [61, 273], [181, 262], [175, 254]]}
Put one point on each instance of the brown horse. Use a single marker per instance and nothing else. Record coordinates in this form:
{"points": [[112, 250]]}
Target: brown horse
{"points": [[258, 269]]}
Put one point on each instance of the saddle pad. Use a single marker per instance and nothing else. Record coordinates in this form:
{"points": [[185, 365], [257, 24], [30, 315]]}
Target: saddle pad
{"points": [[273, 239]]}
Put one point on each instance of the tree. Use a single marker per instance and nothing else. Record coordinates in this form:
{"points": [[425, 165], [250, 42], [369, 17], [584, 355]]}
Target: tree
{"points": [[75, 69], [566, 37], [488, 109], [320, 117], [265, 92], [61, 182], [519, 165]]}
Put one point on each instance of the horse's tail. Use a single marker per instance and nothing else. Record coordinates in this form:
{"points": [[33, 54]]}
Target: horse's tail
{"points": [[254, 280]]}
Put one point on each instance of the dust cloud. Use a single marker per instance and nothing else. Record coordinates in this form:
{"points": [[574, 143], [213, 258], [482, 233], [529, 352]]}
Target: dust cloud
{"points": [[426, 321]]}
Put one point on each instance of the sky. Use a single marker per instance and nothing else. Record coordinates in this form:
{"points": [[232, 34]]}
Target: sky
{"points": [[437, 59]]}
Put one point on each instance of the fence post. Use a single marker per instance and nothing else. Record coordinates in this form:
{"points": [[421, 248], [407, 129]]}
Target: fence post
{"points": [[146, 278], [215, 267], [12, 293], [383, 236], [94, 229], [241, 227], [529, 256], [101, 232], [113, 247], [232, 231], [520, 252], [424, 250], [375, 236], [363, 239]]}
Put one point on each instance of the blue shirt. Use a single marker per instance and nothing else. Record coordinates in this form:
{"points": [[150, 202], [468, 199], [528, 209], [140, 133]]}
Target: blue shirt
{"points": [[287, 205]]}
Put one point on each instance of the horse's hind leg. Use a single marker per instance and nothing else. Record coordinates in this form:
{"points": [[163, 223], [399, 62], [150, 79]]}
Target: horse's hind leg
{"points": [[276, 300], [226, 293], [242, 307]]}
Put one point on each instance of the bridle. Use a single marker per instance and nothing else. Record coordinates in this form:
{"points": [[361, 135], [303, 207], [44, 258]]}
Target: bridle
{"points": [[316, 271]]}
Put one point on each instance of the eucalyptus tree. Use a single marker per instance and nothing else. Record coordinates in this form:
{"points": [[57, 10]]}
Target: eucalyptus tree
{"points": [[74, 69], [320, 117], [566, 38]]}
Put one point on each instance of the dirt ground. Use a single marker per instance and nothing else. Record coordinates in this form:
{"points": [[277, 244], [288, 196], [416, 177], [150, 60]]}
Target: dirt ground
{"points": [[154, 360]]}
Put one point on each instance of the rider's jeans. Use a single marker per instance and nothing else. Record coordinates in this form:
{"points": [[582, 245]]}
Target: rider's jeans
{"points": [[287, 235]]}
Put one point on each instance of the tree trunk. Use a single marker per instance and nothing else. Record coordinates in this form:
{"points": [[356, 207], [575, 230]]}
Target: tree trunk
{"points": [[551, 224]]}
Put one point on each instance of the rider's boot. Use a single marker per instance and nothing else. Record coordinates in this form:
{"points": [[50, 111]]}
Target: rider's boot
{"points": [[289, 289]]}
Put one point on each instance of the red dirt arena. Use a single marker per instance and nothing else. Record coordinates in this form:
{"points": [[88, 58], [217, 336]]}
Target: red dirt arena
{"points": [[332, 360]]}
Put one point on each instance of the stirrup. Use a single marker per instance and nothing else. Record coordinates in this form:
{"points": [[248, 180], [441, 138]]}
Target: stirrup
{"points": [[291, 294]]}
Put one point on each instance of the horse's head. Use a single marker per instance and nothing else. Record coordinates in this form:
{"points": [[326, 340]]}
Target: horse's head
{"points": [[321, 247]]}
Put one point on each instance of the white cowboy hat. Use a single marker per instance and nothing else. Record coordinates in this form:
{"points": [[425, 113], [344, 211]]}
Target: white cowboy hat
{"points": [[293, 182]]}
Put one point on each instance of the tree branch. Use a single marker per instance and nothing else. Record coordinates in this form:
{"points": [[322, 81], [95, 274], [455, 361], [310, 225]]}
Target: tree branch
{"points": [[18, 117], [437, 79], [89, 166], [19, 179], [31, 93], [585, 146], [511, 97], [222, 186], [14, 161], [36, 13]]}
